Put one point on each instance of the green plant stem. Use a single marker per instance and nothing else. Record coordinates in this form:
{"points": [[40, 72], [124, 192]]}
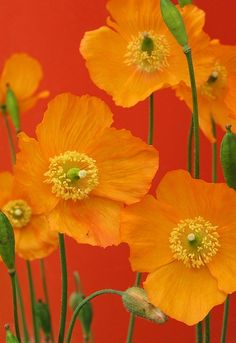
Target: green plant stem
{"points": [[14, 298], [225, 321], [214, 153], [199, 332], [188, 55], [207, 329], [189, 145], [32, 300], [9, 135], [22, 311], [45, 291], [64, 288], [78, 308]]}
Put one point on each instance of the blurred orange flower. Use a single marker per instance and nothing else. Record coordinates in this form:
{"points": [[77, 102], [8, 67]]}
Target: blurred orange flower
{"points": [[217, 93], [32, 234], [186, 241], [137, 55], [23, 74], [81, 172]]}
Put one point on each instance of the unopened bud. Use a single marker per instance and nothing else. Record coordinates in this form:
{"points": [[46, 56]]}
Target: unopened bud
{"points": [[184, 2], [228, 157], [136, 301], [10, 338], [7, 243], [43, 316], [13, 108], [85, 315], [174, 22]]}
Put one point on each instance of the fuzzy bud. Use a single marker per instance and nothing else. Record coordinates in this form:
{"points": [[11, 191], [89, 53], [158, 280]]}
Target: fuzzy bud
{"points": [[13, 108], [7, 243], [43, 316], [228, 157], [10, 338], [184, 2]]}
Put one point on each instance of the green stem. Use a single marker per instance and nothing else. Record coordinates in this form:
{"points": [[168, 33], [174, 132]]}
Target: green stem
{"points": [[9, 135], [207, 329], [78, 308], [78, 287], [22, 311], [225, 321], [64, 288], [14, 298], [32, 300], [188, 55], [45, 291], [214, 153], [199, 332], [190, 143]]}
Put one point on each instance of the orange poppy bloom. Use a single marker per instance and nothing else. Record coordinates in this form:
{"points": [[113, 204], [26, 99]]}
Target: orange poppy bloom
{"points": [[33, 237], [23, 74], [81, 171], [137, 55], [217, 93], [185, 239]]}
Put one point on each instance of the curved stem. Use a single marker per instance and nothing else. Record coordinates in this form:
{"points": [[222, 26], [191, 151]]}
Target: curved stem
{"points": [[22, 311], [207, 329], [64, 288], [9, 135], [225, 321], [214, 153], [78, 308], [13, 286], [199, 332], [189, 145], [32, 300]]}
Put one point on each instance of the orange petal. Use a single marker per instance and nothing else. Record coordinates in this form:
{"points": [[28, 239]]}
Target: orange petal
{"points": [[126, 165], [223, 265], [146, 227], [185, 294], [29, 171], [28, 103], [73, 122], [23, 73], [6, 184], [35, 240], [95, 221]]}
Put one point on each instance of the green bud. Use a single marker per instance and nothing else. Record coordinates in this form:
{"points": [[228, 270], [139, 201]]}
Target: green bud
{"points": [[10, 338], [43, 316], [184, 2], [135, 300], [85, 315], [13, 108], [174, 22], [7, 242], [228, 157]]}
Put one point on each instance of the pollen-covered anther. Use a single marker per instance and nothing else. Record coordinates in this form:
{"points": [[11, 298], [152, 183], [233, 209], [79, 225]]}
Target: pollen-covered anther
{"points": [[18, 212], [73, 175], [148, 51], [194, 242]]}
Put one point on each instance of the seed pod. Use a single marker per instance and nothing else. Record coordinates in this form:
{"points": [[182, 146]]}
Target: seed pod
{"points": [[10, 338], [7, 242], [184, 2], [13, 108], [228, 157], [43, 315], [174, 22]]}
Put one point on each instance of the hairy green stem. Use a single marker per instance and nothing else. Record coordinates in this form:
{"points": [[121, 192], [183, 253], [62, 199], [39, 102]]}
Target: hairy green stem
{"points": [[189, 147], [14, 298], [9, 136], [225, 321], [199, 332], [78, 308], [22, 311], [207, 329]]}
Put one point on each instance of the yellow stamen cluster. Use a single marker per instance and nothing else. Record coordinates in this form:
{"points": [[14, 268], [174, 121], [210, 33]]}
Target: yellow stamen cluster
{"points": [[194, 242], [18, 212], [73, 175], [216, 83], [148, 51]]}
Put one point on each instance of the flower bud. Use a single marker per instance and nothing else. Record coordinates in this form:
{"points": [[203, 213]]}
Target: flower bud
{"points": [[13, 108], [184, 2], [135, 301], [10, 338], [7, 243], [174, 22], [228, 157], [43, 316]]}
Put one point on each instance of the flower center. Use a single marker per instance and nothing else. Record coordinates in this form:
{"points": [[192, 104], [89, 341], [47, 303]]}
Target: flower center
{"points": [[194, 242], [73, 175], [148, 51], [18, 212], [216, 83]]}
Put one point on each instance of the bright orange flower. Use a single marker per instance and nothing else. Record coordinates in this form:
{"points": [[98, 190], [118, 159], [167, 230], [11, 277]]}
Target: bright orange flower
{"points": [[23, 74], [32, 234], [137, 55], [186, 241], [81, 171], [217, 93]]}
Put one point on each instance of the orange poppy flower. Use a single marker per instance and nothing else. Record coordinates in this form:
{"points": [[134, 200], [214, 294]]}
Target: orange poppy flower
{"points": [[81, 171], [137, 55], [217, 93], [185, 239], [33, 237], [23, 74]]}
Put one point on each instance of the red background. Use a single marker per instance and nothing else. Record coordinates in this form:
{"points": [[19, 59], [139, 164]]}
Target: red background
{"points": [[51, 32]]}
